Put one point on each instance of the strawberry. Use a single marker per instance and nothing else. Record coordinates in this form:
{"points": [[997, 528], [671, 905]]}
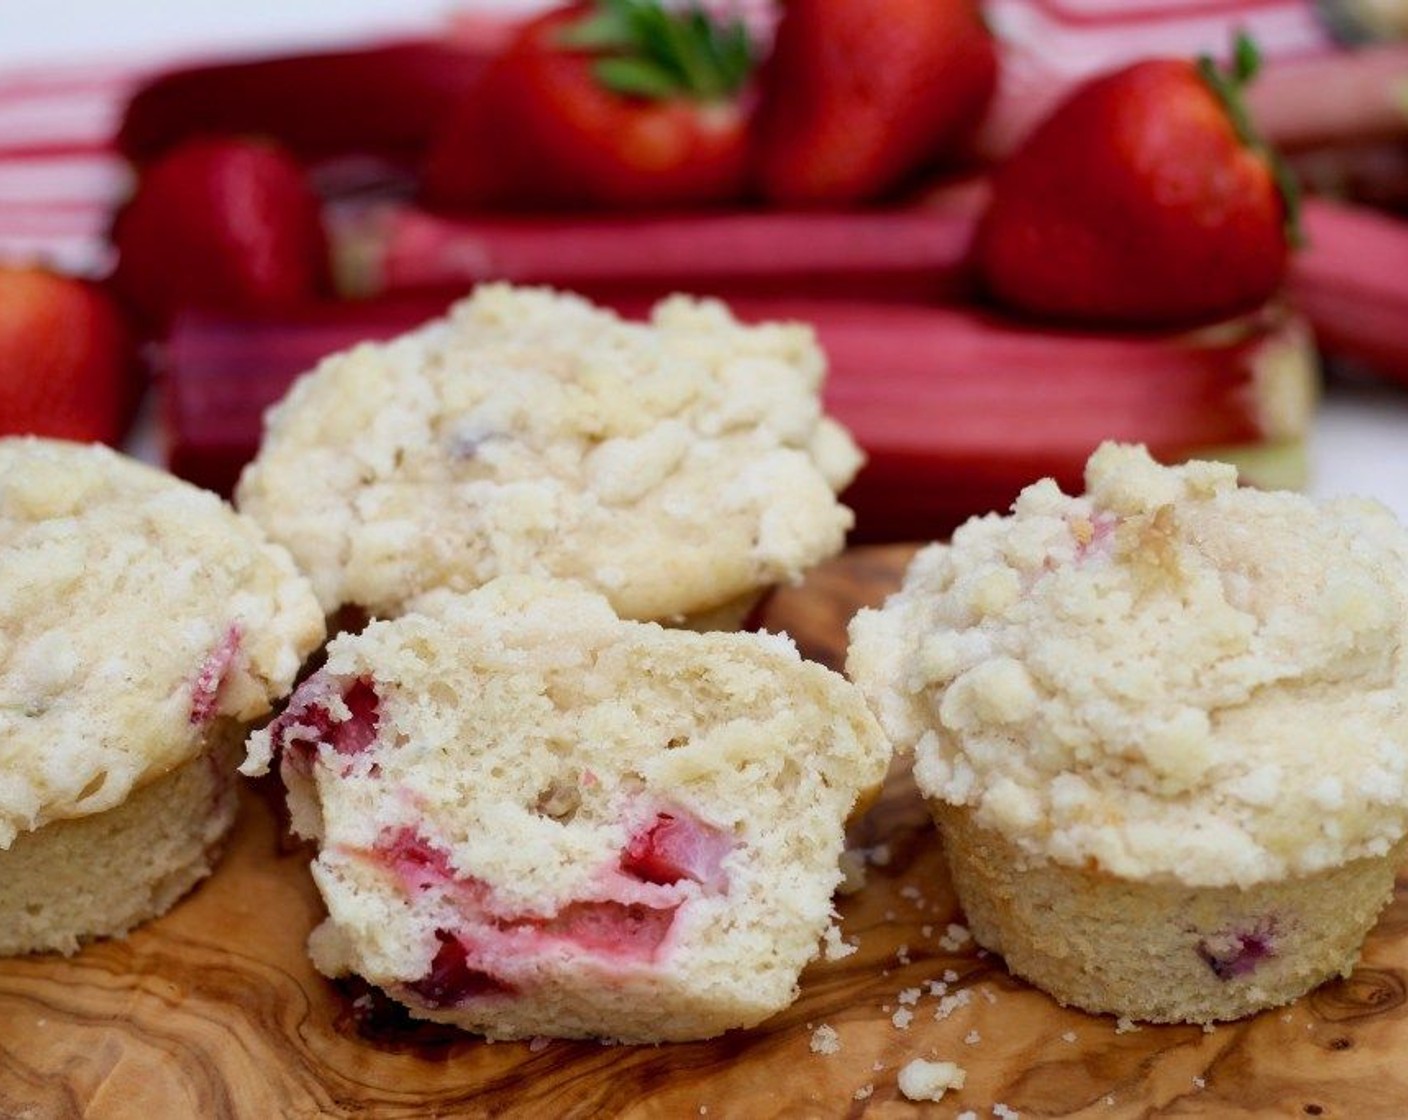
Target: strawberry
{"points": [[605, 926], [677, 845], [452, 980], [306, 723], [610, 103], [205, 688], [860, 95], [220, 224], [1143, 199], [68, 366]]}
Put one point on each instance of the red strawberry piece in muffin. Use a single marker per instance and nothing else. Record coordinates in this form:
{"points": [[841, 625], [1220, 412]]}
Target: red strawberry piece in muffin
{"points": [[562, 823]]}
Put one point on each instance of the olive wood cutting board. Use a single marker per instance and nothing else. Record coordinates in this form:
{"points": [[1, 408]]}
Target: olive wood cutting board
{"points": [[214, 1010]]}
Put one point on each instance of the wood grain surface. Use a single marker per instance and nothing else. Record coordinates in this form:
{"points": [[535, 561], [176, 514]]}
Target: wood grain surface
{"points": [[214, 1010]]}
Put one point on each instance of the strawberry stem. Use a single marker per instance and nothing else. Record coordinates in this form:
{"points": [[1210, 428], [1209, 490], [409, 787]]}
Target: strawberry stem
{"points": [[1246, 59], [649, 51], [1228, 85]]}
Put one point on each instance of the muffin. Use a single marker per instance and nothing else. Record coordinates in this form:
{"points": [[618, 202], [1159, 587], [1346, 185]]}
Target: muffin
{"points": [[533, 818], [1163, 729], [680, 466], [143, 624]]}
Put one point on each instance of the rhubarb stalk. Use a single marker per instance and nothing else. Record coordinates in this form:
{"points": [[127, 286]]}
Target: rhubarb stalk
{"points": [[959, 409], [1351, 283], [915, 253], [956, 409], [383, 101]]}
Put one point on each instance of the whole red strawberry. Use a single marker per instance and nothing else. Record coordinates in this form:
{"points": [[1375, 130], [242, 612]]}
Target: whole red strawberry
{"points": [[608, 103], [1143, 199], [223, 224], [67, 361], [859, 95]]}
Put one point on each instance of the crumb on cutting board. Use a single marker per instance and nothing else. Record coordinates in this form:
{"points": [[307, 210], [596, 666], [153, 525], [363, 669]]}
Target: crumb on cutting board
{"points": [[952, 1002], [834, 946], [922, 1080], [954, 938]]}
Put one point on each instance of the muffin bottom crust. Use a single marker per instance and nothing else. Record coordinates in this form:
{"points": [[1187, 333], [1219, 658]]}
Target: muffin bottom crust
{"points": [[104, 874], [1161, 952]]}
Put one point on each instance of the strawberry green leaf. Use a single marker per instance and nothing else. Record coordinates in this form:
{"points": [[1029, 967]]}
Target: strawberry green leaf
{"points": [[1227, 85], [647, 50], [635, 77], [731, 52], [602, 30], [1246, 58], [1290, 196]]}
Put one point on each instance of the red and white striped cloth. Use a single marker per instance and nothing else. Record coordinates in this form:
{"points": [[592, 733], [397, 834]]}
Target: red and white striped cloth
{"points": [[58, 174], [60, 178]]}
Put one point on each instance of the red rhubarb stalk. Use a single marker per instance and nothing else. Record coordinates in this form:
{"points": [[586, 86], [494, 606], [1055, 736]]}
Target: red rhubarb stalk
{"points": [[915, 253], [1351, 283], [221, 372], [956, 409], [1334, 100], [381, 101]]}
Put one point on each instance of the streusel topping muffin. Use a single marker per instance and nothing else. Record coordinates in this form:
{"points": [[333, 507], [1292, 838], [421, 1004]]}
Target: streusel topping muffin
{"points": [[1168, 681], [143, 624], [677, 465]]}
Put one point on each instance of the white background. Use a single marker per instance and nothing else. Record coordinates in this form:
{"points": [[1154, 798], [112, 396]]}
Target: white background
{"points": [[63, 30]]}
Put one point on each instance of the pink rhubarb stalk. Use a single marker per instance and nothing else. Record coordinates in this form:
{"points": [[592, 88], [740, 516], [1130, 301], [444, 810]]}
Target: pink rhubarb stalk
{"points": [[956, 408], [899, 253], [381, 101], [1351, 283]]}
